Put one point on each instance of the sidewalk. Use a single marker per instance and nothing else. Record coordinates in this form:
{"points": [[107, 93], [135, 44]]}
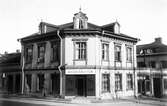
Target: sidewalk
{"points": [[82, 100]]}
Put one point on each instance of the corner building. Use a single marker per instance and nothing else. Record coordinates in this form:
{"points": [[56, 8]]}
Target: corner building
{"points": [[80, 59]]}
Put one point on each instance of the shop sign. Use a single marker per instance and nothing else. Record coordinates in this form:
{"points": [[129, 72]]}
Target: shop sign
{"points": [[80, 71]]}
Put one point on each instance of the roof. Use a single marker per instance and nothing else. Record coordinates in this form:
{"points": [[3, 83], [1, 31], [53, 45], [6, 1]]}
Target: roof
{"points": [[156, 47], [10, 58], [108, 28]]}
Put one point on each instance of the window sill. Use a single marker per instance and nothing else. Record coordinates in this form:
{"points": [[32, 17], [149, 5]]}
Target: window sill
{"points": [[105, 60], [118, 61], [80, 60], [129, 89]]}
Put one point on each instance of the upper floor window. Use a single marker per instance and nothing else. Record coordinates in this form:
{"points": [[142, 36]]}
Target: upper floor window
{"points": [[117, 52], [29, 54], [41, 52], [118, 82], [163, 64], [105, 51], [152, 64], [55, 50], [81, 24], [129, 81], [129, 54], [105, 82], [80, 50]]}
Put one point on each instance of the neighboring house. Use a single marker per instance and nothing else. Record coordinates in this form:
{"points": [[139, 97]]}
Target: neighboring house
{"points": [[10, 73], [152, 64], [80, 59]]}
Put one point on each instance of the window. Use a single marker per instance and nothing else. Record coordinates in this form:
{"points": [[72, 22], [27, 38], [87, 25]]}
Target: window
{"points": [[29, 54], [28, 82], [105, 82], [80, 24], [55, 49], [105, 51], [163, 64], [165, 84], [80, 50], [129, 54], [152, 64], [41, 53], [117, 53], [141, 64], [118, 82], [129, 81]]}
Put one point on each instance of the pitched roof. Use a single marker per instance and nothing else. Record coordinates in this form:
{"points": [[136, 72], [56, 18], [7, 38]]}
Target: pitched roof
{"points": [[157, 46]]}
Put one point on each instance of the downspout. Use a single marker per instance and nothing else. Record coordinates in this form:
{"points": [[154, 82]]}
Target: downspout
{"points": [[59, 67], [134, 72], [22, 69]]}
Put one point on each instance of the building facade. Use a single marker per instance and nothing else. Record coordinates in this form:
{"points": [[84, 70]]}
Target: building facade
{"points": [[152, 64], [10, 73], [80, 59]]}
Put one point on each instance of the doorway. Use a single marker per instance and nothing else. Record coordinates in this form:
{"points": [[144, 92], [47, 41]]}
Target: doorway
{"points": [[81, 85], [157, 87]]}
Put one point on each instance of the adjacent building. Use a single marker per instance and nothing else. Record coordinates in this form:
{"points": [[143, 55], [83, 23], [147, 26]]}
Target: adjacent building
{"points": [[79, 59], [152, 64], [10, 73]]}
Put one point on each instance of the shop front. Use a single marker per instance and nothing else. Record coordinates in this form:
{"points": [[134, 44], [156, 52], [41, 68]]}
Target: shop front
{"points": [[80, 83]]}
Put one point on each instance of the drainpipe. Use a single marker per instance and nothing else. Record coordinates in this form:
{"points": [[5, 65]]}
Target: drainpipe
{"points": [[134, 72], [59, 67]]}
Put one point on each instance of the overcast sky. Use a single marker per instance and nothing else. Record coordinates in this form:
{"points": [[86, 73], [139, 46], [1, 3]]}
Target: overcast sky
{"points": [[144, 19]]}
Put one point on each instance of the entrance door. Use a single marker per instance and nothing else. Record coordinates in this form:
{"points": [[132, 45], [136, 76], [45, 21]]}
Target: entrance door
{"points": [[81, 85], [157, 87]]}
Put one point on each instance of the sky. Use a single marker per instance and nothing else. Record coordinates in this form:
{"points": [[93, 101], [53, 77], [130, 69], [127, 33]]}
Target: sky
{"points": [[143, 19]]}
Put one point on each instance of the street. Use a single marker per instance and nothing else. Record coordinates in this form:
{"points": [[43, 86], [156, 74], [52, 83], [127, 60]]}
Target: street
{"points": [[13, 102]]}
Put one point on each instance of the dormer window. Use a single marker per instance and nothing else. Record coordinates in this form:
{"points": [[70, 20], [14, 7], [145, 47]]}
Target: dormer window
{"points": [[80, 20], [81, 24]]}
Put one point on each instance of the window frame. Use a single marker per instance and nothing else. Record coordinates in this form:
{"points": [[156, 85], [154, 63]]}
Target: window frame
{"points": [[117, 54], [118, 82], [105, 82], [28, 56], [55, 51], [41, 53], [129, 81], [105, 51], [82, 52], [129, 54]]}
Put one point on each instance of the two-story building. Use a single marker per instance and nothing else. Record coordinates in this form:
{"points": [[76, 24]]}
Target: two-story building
{"points": [[152, 64], [80, 59]]}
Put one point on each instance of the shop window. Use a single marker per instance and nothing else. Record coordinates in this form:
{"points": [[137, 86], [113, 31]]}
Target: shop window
{"points": [[117, 53], [55, 51], [80, 50], [118, 82], [105, 82], [129, 81], [41, 53], [129, 54], [105, 51], [29, 54]]}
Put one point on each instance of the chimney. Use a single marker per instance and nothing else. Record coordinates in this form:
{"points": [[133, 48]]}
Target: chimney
{"points": [[17, 51], [6, 52], [158, 40]]}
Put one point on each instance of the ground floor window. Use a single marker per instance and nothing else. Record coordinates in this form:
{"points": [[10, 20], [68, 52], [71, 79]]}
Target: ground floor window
{"points": [[165, 84], [105, 82], [118, 82], [129, 81]]}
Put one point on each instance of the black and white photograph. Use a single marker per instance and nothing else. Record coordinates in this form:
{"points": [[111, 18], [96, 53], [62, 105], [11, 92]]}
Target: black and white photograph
{"points": [[83, 53]]}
